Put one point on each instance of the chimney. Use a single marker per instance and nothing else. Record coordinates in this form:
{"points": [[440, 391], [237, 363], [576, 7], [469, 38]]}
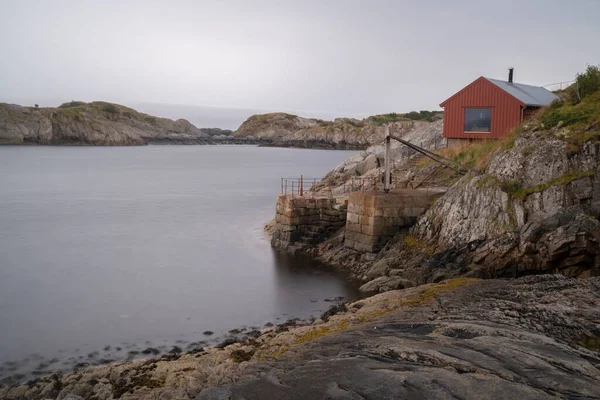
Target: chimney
{"points": [[510, 75]]}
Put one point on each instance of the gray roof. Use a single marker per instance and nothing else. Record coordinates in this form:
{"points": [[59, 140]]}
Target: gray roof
{"points": [[530, 95]]}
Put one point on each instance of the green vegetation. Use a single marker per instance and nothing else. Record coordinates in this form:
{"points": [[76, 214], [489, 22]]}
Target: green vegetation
{"points": [[383, 119], [108, 107], [72, 104], [424, 115], [313, 334], [513, 188], [580, 120], [262, 117], [516, 190], [561, 180], [433, 292], [590, 342], [239, 355], [588, 82], [418, 245]]}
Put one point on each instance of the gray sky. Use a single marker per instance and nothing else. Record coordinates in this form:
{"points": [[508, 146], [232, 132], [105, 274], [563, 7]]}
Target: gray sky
{"points": [[346, 58]]}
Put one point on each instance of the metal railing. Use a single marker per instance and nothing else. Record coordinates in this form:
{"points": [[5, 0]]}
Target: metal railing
{"points": [[298, 186], [309, 186], [558, 85]]}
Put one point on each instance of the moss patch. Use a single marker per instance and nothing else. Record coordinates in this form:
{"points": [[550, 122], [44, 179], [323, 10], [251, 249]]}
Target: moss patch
{"points": [[590, 342], [239, 355], [313, 334], [561, 180], [412, 243]]}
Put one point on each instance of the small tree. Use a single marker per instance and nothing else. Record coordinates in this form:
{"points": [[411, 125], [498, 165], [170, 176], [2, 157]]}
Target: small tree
{"points": [[588, 82], [37, 106]]}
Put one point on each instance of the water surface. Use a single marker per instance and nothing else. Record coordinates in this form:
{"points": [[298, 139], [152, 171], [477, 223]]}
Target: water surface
{"points": [[105, 250]]}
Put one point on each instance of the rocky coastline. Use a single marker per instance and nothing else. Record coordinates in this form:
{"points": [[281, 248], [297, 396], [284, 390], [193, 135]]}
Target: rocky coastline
{"points": [[288, 130], [533, 337], [494, 292], [101, 124], [106, 124]]}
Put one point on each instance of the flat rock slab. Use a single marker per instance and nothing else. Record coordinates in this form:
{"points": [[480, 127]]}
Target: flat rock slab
{"points": [[466, 350]]}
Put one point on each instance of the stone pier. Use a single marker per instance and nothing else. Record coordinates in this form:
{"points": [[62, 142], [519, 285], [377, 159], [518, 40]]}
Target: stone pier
{"points": [[373, 218], [304, 221]]}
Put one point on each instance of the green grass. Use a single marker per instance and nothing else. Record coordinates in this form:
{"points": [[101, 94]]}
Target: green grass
{"points": [[417, 245], [516, 190], [580, 121], [561, 180], [262, 117], [383, 119]]}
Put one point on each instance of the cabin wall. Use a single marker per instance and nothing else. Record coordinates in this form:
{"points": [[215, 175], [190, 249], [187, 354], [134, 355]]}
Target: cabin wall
{"points": [[506, 110]]}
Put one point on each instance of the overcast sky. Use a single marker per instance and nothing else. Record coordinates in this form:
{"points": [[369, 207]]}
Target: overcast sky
{"points": [[347, 58]]}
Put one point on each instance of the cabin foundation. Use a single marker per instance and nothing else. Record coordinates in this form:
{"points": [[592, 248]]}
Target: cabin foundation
{"points": [[304, 221], [373, 218]]}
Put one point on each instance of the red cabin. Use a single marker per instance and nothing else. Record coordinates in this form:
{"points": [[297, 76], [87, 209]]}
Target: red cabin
{"points": [[490, 108]]}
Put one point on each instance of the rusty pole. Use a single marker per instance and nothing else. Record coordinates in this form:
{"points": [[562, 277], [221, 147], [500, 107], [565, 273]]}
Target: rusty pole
{"points": [[301, 186], [387, 162]]}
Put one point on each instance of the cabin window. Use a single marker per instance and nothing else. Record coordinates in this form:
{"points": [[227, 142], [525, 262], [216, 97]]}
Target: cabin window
{"points": [[478, 120]]}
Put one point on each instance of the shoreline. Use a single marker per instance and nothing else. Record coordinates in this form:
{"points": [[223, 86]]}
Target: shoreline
{"points": [[225, 142], [448, 314], [147, 351]]}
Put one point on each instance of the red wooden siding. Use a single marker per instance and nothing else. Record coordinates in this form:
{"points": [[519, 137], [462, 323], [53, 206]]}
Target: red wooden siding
{"points": [[506, 110]]}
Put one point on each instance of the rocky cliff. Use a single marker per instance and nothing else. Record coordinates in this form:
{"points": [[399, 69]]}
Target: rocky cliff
{"points": [[281, 129], [96, 123], [535, 208]]}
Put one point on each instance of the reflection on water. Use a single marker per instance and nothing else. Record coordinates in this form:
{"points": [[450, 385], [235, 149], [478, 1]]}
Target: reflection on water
{"points": [[107, 252], [296, 275]]}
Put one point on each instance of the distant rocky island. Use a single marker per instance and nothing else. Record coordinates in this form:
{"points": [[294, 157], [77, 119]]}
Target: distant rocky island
{"points": [[288, 130], [98, 123], [107, 124]]}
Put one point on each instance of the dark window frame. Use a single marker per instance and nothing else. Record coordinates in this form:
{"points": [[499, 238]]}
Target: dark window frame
{"points": [[477, 108]]}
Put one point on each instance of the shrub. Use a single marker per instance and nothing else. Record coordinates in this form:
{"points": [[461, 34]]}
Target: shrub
{"points": [[588, 82], [110, 108], [72, 104], [383, 119], [424, 115]]}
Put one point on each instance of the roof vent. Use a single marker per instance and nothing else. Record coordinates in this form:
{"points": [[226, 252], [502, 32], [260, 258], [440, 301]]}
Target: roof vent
{"points": [[510, 75]]}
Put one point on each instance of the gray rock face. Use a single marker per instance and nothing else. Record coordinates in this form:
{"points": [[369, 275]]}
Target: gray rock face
{"points": [[550, 225], [536, 209], [369, 163]]}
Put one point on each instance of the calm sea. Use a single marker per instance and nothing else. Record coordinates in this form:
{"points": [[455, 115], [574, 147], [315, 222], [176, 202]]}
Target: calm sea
{"points": [[107, 251]]}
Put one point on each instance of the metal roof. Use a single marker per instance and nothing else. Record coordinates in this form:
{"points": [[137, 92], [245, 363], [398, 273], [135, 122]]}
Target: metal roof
{"points": [[535, 96]]}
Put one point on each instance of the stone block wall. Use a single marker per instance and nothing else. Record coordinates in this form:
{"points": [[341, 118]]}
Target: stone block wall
{"points": [[373, 218], [301, 222]]}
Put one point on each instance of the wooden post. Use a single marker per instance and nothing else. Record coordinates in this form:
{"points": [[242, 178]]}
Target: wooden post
{"points": [[292, 189], [387, 162], [301, 186], [281, 185]]}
